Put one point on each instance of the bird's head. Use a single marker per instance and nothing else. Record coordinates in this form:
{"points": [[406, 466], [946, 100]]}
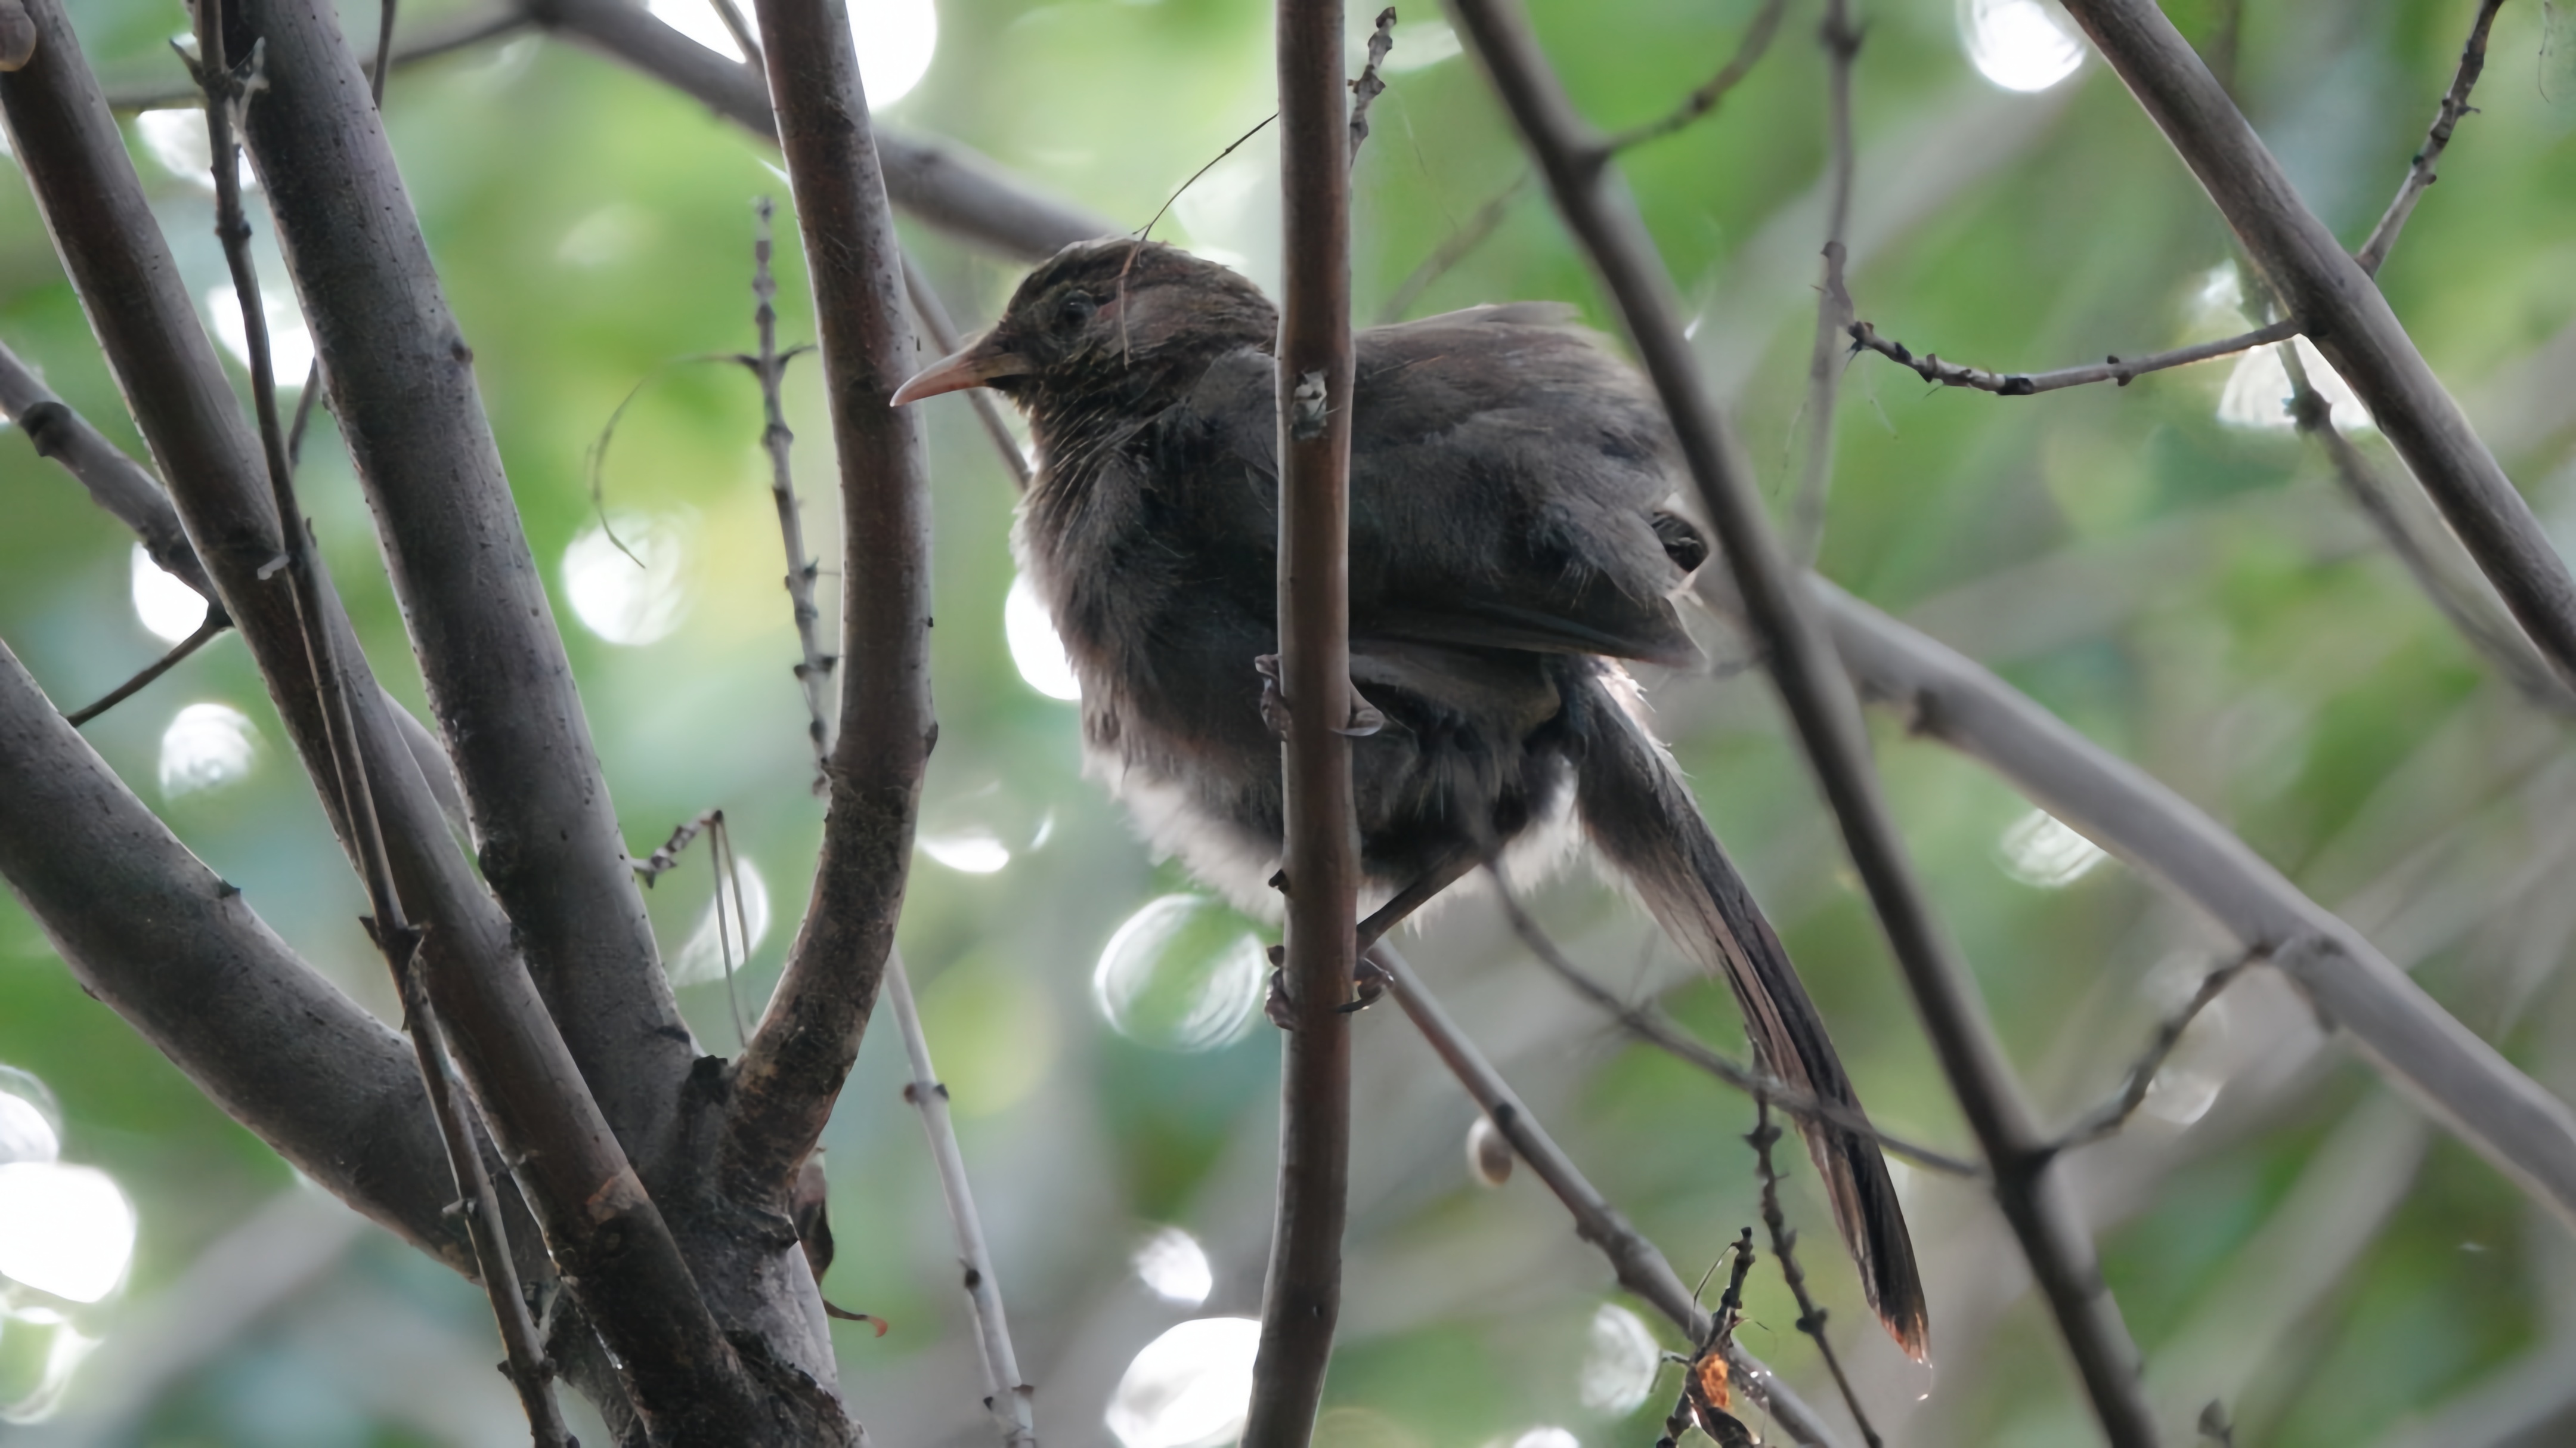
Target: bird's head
{"points": [[1115, 323]]}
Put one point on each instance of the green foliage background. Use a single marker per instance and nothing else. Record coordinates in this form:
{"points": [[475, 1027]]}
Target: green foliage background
{"points": [[2194, 595]]}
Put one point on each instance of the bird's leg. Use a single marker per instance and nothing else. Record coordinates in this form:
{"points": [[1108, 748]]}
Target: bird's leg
{"points": [[1363, 720], [1369, 977], [1418, 894]]}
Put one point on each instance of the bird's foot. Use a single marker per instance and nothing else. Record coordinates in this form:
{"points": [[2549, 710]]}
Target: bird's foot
{"points": [[1364, 719], [1369, 982]]}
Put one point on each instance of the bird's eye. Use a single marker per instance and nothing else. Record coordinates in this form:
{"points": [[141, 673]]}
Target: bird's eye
{"points": [[1078, 309]]}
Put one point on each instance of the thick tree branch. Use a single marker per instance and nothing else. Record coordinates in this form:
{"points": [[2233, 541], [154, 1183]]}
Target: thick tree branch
{"points": [[1639, 1266], [941, 182], [160, 940], [1827, 719], [500, 685], [604, 1234], [2343, 314], [801, 1052], [2461, 1080], [1301, 1300]]}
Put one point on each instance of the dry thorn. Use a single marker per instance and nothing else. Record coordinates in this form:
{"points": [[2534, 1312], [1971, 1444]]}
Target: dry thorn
{"points": [[1811, 1318]]}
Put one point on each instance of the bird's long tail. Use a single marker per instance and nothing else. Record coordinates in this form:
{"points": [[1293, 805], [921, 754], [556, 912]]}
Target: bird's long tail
{"points": [[1640, 814]]}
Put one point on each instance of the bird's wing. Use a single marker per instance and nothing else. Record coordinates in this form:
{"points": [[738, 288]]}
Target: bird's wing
{"points": [[1507, 475]]}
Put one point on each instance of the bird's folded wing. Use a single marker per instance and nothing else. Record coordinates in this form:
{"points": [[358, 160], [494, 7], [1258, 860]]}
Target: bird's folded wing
{"points": [[1506, 473]]}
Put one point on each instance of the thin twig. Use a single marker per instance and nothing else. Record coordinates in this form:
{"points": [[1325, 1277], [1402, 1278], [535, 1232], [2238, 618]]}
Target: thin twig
{"points": [[1638, 1265], [2419, 176], [728, 875], [2111, 1115], [2466, 606], [229, 87], [814, 668], [1784, 623], [744, 38], [1748, 53], [1931, 368], [666, 859], [1451, 251], [215, 623], [1302, 1294], [1652, 1027], [928, 310], [1366, 89], [1841, 40], [1009, 1397], [1784, 1245]]}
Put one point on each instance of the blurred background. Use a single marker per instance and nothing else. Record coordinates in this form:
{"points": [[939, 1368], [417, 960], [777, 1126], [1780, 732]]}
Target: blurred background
{"points": [[2168, 566]]}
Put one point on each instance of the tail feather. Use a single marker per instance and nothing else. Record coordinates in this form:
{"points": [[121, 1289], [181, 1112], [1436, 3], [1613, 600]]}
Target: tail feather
{"points": [[1640, 814]]}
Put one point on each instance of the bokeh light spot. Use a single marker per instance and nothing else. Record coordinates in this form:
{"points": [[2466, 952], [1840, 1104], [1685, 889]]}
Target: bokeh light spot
{"points": [[1620, 1359], [2258, 391], [290, 346], [206, 746], [1035, 646], [169, 609], [2039, 850], [895, 39], [65, 1230], [1174, 1267], [631, 600], [2021, 45], [1189, 1388], [1182, 974], [702, 958]]}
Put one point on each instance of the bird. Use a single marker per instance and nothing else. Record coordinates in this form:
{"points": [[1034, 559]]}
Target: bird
{"points": [[1513, 544]]}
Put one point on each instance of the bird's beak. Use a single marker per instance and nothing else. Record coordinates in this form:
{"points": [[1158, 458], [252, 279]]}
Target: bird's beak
{"points": [[973, 365]]}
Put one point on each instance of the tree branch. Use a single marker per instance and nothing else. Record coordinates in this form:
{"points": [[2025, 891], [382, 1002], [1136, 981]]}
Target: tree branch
{"points": [[813, 667], [1748, 54], [2461, 1080], [1828, 723], [801, 1051], [1301, 1300], [2343, 314], [2419, 176], [2024, 384], [1784, 1245], [1010, 1395], [1640, 1268], [115, 481], [428, 42], [603, 1232], [500, 684], [941, 182], [152, 933]]}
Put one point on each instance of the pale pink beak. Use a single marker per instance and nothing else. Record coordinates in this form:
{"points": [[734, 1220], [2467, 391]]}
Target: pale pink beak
{"points": [[973, 365]]}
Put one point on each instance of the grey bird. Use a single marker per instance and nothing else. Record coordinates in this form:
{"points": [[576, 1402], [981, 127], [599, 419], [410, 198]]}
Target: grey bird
{"points": [[1511, 542]]}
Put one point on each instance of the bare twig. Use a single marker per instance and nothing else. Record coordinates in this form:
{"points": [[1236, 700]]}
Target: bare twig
{"points": [[1841, 39], [229, 86], [1009, 1397], [1748, 53], [1640, 1268], [2111, 1115], [2463, 603], [666, 859], [1707, 1398], [801, 1051], [1827, 718], [2419, 176], [2344, 315], [814, 669], [1451, 251], [1366, 89], [728, 875], [215, 624], [2110, 369], [1301, 1300], [928, 310], [1652, 1027], [2442, 1065], [1784, 1245]]}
